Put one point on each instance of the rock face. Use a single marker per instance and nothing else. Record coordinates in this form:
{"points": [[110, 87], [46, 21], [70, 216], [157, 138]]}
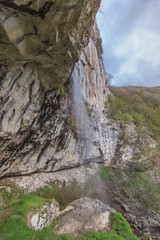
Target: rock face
{"points": [[42, 217], [38, 127], [48, 34], [35, 181], [83, 215], [38, 120]]}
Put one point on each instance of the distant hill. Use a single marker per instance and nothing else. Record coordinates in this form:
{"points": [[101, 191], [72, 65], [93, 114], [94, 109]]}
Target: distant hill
{"points": [[140, 105]]}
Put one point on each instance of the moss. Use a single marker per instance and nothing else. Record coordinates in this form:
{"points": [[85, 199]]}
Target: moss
{"points": [[62, 91], [13, 226], [121, 227], [10, 196], [134, 181], [63, 194], [109, 173]]}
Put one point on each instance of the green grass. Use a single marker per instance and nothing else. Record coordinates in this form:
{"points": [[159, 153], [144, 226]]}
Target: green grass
{"points": [[140, 186], [10, 197], [29, 203], [13, 225], [136, 182], [63, 194], [131, 104], [121, 227], [109, 173]]}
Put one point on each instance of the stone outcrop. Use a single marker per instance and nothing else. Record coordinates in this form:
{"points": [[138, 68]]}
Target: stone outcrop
{"points": [[54, 131], [36, 181], [38, 127], [47, 34], [42, 217], [82, 216]]}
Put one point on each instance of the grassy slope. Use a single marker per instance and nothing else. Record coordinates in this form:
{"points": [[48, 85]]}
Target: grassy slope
{"points": [[138, 105], [13, 218], [129, 105], [135, 185]]}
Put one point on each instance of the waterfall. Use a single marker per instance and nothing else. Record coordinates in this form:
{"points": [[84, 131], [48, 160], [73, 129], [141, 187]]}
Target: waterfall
{"points": [[81, 118]]}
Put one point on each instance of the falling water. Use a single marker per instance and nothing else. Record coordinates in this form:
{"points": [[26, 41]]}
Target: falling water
{"points": [[80, 113], [96, 188]]}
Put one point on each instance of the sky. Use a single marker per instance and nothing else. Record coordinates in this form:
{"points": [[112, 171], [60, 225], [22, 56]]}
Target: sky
{"points": [[130, 31]]}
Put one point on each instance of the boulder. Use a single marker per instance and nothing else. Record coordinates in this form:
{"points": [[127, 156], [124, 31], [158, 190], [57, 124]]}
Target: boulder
{"points": [[83, 215], [130, 133], [42, 217], [126, 153]]}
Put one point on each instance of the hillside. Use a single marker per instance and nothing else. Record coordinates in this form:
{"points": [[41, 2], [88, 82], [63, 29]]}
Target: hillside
{"points": [[132, 180], [140, 105], [77, 161]]}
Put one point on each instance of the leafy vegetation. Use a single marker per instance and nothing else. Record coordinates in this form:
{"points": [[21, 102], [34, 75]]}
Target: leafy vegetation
{"points": [[7, 197], [63, 194], [13, 223], [122, 227], [138, 105], [136, 182], [62, 90]]}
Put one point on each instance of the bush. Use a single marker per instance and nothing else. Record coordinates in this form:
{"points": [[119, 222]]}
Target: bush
{"points": [[135, 104]]}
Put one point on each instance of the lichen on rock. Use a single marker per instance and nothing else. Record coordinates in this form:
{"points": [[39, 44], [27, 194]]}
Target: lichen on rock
{"points": [[43, 216]]}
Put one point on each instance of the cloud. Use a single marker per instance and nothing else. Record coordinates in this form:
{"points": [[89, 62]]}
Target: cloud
{"points": [[130, 31]]}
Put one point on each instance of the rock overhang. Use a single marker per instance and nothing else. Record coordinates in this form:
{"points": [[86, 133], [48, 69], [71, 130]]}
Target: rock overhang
{"points": [[50, 34]]}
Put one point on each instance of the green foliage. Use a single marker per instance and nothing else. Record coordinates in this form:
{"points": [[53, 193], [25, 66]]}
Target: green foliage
{"points": [[138, 105], [137, 118], [117, 103], [123, 118], [10, 196], [141, 187], [122, 227], [117, 106], [136, 182], [13, 226], [109, 124], [62, 194], [62, 91], [109, 173]]}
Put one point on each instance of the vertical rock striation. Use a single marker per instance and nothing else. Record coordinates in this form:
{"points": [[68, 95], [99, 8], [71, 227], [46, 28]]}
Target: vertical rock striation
{"points": [[40, 45]]}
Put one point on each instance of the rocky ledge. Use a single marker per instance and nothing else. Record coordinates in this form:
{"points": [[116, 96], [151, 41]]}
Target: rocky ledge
{"points": [[39, 130], [47, 34]]}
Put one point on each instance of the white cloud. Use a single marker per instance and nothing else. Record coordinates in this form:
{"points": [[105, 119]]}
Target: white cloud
{"points": [[131, 41]]}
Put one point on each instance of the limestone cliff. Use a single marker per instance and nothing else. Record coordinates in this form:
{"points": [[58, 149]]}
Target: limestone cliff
{"points": [[55, 114], [41, 43], [44, 36]]}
